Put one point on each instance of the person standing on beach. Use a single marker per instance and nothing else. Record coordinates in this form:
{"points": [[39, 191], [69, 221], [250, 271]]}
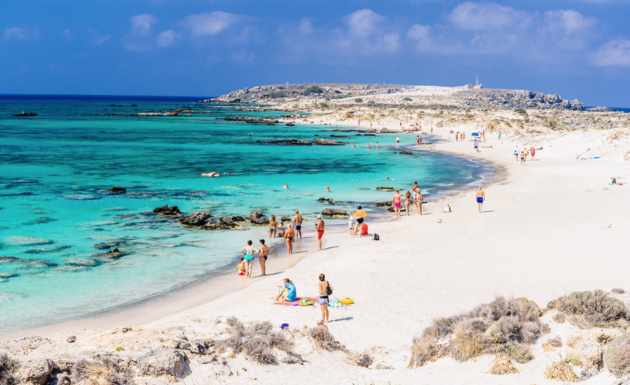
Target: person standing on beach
{"points": [[360, 215], [359, 125], [273, 224], [415, 186], [324, 291], [516, 153], [288, 239], [297, 223], [351, 224], [249, 252], [532, 152], [262, 256], [320, 230], [419, 200], [476, 145], [397, 202], [407, 201], [481, 197], [418, 139]]}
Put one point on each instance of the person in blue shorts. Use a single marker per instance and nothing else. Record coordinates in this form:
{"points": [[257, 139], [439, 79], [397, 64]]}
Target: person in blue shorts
{"points": [[481, 197]]}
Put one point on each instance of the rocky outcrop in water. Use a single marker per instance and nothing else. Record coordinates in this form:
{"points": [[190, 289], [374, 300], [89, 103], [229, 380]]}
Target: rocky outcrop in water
{"points": [[386, 188], [249, 119], [223, 223], [196, 219], [384, 204], [257, 217], [327, 142], [117, 190], [405, 152], [167, 211], [334, 212], [26, 114], [291, 142]]}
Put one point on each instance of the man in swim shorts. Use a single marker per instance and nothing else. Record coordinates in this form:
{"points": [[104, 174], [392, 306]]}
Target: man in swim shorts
{"points": [[297, 224], [397, 202], [320, 230], [481, 196]]}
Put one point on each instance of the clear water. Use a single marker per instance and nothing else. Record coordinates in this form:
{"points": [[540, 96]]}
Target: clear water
{"points": [[55, 168]]}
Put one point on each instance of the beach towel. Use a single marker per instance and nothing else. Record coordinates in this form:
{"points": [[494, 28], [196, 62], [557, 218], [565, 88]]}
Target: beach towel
{"points": [[297, 301]]}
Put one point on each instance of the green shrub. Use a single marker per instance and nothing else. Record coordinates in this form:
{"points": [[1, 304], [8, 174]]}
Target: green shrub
{"points": [[588, 309], [559, 318], [277, 94], [617, 356], [520, 111], [358, 100], [519, 352], [119, 349], [324, 105], [407, 99], [314, 89]]}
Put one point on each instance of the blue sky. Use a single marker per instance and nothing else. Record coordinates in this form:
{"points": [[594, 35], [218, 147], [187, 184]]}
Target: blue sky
{"points": [[575, 48]]}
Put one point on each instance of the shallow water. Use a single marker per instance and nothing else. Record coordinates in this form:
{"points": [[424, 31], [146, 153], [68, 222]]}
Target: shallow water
{"points": [[55, 168]]}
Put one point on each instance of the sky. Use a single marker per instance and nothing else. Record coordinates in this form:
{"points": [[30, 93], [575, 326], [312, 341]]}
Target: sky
{"points": [[574, 48]]}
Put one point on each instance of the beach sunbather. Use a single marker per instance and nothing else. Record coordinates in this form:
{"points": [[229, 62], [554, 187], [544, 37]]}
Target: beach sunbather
{"points": [[287, 292]]}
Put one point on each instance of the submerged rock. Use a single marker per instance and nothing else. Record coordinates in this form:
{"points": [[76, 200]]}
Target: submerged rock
{"points": [[406, 152], [257, 217], [117, 190], [25, 241], [325, 200], [7, 259], [124, 242], [384, 204], [327, 142], [386, 188], [196, 219], [291, 142], [81, 262], [39, 221], [167, 211], [334, 212], [112, 254], [6, 274], [43, 250]]}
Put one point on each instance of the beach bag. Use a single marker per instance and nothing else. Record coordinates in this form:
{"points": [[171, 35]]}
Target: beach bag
{"points": [[305, 302], [364, 230], [328, 289], [376, 237]]}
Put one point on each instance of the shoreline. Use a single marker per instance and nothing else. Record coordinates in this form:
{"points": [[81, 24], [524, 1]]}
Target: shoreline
{"points": [[219, 284]]}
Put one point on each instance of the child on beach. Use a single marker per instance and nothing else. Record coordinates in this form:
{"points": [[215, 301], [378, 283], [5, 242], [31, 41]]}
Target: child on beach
{"points": [[351, 224], [241, 267]]}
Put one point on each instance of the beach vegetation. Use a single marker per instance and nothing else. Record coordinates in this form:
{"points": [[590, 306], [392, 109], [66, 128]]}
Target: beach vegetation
{"points": [[560, 371], [407, 99], [552, 344], [256, 341], [559, 318], [119, 349], [618, 291], [314, 89], [617, 356], [589, 309], [502, 365], [501, 326], [277, 94], [8, 368], [371, 102], [520, 111], [358, 100], [103, 370], [324, 105]]}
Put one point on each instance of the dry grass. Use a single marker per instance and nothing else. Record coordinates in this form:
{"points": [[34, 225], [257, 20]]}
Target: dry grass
{"points": [[324, 340], [94, 372], [552, 344], [560, 371], [618, 290], [518, 352], [256, 341], [502, 365], [495, 327], [559, 318], [7, 369], [588, 309]]}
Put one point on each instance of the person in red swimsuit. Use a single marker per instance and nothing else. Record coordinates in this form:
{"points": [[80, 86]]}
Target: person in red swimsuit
{"points": [[320, 230]]}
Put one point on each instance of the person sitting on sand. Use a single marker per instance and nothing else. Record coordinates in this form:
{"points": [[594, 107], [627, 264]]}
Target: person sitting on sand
{"points": [[286, 185], [447, 209], [614, 180], [241, 267], [320, 324], [288, 292], [288, 239]]}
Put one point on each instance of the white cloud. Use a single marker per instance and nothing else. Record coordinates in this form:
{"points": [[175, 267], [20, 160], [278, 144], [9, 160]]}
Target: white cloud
{"points": [[208, 24], [95, 38], [305, 27], [482, 17], [167, 38], [20, 33], [363, 22], [66, 35], [141, 24], [613, 53], [569, 21]]}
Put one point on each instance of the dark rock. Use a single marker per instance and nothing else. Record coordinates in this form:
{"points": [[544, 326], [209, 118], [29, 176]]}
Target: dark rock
{"points": [[7, 259], [291, 142], [163, 361], [405, 152], [226, 220], [384, 204], [198, 218], [290, 124], [334, 212], [167, 211], [286, 219], [197, 346], [325, 200], [71, 339], [386, 189], [257, 217], [112, 254], [327, 142], [26, 114], [238, 218], [117, 190]]}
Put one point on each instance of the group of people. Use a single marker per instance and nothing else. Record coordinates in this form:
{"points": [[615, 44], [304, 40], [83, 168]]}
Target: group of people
{"points": [[411, 197], [288, 292], [524, 153]]}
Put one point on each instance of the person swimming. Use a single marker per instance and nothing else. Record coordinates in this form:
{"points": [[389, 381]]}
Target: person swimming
{"points": [[327, 189], [286, 185]]}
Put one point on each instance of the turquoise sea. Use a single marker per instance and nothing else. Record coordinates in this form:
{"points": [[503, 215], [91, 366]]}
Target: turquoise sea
{"points": [[55, 168]]}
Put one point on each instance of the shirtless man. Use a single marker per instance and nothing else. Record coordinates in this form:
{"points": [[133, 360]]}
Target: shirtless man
{"points": [[297, 223], [481, 197], [415, 186], [397, 202], [320, 230], [419, 200], [288, 239]]}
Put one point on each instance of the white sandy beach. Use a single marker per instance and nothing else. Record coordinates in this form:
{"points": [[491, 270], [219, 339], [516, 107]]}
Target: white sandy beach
{"points": [[550, 227]]}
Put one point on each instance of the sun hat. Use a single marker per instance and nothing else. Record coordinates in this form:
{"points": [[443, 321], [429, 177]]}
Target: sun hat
{"points": [[319, 217]]}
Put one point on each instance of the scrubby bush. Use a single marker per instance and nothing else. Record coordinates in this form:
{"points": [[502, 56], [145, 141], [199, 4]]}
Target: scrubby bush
{"points": [[520, 111], [324, 105], [277, 94], [407, 99], [314, 89], [617, 356], [587, 309], [500, 326], [7, 370], [358, 100], [559, 318], [618, 290], [256, 341], [103, 370], [519, 352]]}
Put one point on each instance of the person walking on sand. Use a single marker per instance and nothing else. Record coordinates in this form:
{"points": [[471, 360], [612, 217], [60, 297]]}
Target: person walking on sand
{"points": [[262, 256], [273, 224], [397, 202], [297, 223], [476, 145], [320, 230], [325, 289], [351, 224], [516, 152], [288, 239], [360, 215], [481, 197], [419, 200], [249, 252], [408, 199], [532, 152]]}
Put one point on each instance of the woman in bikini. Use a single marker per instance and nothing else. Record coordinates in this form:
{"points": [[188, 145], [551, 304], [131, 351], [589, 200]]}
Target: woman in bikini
{"points": [[249, 252], [262, 256], [407, 200], [272, 227], [323, 296], [288, 239]]}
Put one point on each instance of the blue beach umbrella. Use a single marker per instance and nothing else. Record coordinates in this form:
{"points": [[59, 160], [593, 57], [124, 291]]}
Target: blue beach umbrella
{"points": [[475, 134]]}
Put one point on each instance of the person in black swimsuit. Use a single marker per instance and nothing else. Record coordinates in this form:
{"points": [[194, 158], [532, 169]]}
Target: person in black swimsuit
{"points": [[264, 253]]}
